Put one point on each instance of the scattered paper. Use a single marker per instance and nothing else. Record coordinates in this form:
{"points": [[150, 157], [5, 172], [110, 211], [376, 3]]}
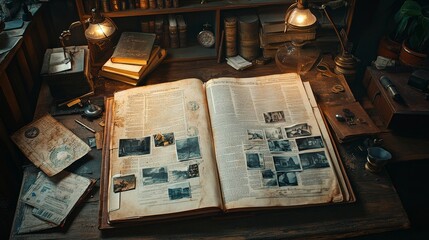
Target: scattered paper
{"points": [[49, 145], [238, 62], [53, 198]]}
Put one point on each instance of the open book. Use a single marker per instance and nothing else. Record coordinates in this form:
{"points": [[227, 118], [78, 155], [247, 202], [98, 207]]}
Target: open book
{"points": [[188, 148]]}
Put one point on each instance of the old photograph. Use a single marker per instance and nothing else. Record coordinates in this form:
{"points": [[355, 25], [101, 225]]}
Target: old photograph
{"points": [[273, 133], [298, 130], [179, 191], [314, 160], [274, 117], [134, 146], [279, 146], [155, 175], [188, 148], [193, 171], [287, 163], [254, 161], [163, 139], [309, 143], [287, 179], [269, 178], [124, 183], [184, 173], [255, 134]]}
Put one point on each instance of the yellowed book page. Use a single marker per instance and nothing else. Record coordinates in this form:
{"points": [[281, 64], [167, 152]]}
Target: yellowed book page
{"points": [[270, 150], [162, 159], [129, 70], [49, 145]]}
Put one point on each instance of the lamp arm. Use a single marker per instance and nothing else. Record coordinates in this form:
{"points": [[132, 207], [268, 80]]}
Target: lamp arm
{"points": [[65, 35], [334, 26], [288, 12]]}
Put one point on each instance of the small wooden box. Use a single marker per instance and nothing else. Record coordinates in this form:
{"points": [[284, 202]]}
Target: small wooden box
{"points": [[411, 115], [71, 83]]}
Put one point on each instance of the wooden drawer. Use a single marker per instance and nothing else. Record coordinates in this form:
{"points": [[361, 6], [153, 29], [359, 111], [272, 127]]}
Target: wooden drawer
{"points": [[413, 115]]}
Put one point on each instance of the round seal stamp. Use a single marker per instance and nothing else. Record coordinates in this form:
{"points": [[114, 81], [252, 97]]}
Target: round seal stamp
{"points": [[193, 106], [61, 155], [32, 132]]}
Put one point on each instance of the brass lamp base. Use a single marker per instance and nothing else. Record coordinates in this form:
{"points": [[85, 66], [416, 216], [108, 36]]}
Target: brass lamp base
{"points": [[345, 64]]}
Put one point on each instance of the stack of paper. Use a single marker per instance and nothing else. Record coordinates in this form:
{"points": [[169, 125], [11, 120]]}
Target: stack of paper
{"points": [[50, 200], [238, 62]]}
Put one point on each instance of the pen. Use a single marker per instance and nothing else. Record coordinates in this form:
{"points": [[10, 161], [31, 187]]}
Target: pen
{"points": [[85, 126]]}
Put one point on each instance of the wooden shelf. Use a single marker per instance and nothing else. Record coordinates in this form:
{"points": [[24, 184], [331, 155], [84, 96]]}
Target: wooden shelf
{"points": [[195, 15]]}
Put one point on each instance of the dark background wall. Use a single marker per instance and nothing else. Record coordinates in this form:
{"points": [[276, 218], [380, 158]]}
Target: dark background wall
{"points": [[370, 22]]}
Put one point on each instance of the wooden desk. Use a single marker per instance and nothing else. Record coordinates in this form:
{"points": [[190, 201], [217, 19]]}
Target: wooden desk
{"points": [[377, 209]]}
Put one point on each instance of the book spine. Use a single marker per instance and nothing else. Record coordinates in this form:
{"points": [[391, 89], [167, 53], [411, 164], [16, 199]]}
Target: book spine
{"points": [[152, 4], [144, 4], [123, 5], [175, 3], [145, 26], [114, 5], [160, 3], [137, 4], [131, 4], [159, 30], [174, 36], [230, 36], [182, 30], [105, 5], [151, 25], [166, 34], [168, 4], [248, 36]]}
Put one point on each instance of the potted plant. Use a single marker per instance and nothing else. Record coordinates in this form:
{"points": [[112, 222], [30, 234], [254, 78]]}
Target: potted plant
{"points": [[390, 44], [415, 48]]}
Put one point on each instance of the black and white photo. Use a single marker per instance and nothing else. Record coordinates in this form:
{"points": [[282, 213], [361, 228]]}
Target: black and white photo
{"points": [[155, 175], [254, 161], [179, 190], [309, 143], [134, 146], [273, 133], [269, 178], [287, 163], [188, 148], [255, 134], [314, 160], [279, 146], [274, 117], [287, 179], [298, 130]]}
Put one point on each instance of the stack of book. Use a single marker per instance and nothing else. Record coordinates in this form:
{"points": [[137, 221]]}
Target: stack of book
{"points": [[134, 57], [272, 35]]}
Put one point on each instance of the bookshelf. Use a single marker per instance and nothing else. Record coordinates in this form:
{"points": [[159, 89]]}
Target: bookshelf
{"points": [[195, 14]]}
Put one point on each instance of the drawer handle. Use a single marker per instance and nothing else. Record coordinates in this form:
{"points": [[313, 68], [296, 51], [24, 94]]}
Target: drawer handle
{"points": [[375, 96]]}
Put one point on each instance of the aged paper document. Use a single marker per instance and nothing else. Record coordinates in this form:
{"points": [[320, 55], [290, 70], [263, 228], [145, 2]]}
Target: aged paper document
{"points": [[54, 197], [49, 145], [270, 149], [161, 155]]}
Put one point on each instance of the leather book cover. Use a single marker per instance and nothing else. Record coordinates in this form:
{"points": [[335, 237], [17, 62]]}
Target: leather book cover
{"points": [[133, 48]]}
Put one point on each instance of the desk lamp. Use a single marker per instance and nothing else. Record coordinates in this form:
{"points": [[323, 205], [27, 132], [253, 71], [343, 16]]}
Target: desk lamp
{"points": [[345, 62], [99, 33], [293, 56]]}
